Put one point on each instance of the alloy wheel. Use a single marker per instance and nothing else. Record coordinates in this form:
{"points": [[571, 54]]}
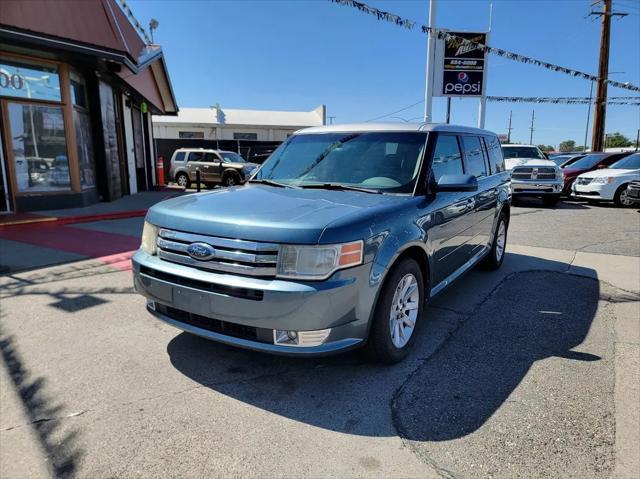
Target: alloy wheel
{"points": [[501, 240], [404, 310]]}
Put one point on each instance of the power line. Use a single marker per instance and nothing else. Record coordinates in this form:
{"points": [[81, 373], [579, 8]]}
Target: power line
{"points": [[394, 112]]}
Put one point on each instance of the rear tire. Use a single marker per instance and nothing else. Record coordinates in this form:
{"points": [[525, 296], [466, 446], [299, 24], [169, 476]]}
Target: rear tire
{"points": [[621, 198], [499, 245], [398, 313], [183, 180], [550, 200]]}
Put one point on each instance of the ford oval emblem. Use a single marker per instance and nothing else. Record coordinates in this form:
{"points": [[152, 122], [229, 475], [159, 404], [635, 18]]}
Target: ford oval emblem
{"points": [[201, 251]]}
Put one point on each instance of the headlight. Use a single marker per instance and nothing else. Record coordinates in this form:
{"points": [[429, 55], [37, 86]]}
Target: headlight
{"points": [[602, 180], [314, 262], [149, 238], [559, 174]]}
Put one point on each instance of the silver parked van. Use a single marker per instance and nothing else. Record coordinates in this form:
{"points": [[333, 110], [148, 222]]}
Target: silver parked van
{"points": [[337, 241]]}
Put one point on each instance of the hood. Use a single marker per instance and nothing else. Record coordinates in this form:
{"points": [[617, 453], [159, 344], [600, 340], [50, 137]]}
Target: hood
{"points": [[511, 163], [610, 172], [267, 213], [245, 165], [571, 172]]}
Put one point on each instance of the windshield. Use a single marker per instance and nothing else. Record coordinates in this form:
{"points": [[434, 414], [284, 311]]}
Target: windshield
{"points": [[587, 162], [383, 161], [231, 157], [631, 162], [558, 160], [522, 152]]}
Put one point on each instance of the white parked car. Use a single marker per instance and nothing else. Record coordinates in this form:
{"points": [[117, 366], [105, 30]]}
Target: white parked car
{"points": [[609, 184]]}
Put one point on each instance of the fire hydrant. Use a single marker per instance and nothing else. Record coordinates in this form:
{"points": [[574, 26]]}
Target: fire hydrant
{"points": [[160, 170]]}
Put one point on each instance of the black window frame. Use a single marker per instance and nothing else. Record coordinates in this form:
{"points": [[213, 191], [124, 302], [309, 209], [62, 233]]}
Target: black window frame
{"points": [[433, 151]]}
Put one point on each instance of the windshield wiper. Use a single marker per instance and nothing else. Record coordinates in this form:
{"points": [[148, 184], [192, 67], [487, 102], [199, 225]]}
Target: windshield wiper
{"points": [[271, 183], [339, 187]]}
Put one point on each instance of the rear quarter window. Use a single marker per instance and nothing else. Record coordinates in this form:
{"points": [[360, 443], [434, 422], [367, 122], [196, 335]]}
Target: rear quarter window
{"points": [[179, 156]]}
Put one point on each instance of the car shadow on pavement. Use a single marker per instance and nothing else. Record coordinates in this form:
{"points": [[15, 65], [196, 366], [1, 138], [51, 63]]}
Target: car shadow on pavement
{"points": [[462, 369]]}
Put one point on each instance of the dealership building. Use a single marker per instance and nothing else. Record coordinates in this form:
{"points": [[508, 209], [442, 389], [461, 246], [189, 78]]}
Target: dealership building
{"points": [[78, 87], [252, 133]]}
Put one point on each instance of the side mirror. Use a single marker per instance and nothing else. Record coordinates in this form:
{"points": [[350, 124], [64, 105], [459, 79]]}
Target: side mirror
{"points": [[457, 183]]}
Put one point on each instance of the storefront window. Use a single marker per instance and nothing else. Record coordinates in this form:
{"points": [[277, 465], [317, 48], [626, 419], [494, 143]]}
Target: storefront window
{"points": [[23, 80], [39, 147], [82, 125]]}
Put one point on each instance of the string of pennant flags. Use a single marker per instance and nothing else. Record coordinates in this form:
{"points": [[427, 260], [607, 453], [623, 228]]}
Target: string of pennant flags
{"points": [[444, 35], [135, 21], [564, 100]]}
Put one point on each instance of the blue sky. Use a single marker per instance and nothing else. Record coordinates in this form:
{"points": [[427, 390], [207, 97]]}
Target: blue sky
{"points": [[298, 54]]}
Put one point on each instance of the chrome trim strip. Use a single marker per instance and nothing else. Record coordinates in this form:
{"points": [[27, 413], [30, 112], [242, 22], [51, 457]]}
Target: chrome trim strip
{"points": [[217, 266], [215, 241], [220, 253], [459, 272]]}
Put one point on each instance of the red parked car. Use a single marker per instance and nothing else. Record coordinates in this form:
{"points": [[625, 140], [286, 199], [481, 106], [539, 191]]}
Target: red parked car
{"points": [[592, 161]]}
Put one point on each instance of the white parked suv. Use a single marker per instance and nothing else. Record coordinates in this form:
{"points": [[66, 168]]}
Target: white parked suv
{"points": [[609, 184], [532, 173]]}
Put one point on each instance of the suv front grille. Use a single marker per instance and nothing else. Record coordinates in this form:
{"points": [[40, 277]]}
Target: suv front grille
{"points": [[533, 173], [230, 255]]}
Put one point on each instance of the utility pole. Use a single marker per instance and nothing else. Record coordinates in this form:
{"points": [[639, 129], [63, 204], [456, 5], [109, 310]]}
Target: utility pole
{"points": [[509, 129], [431, 43], [600, 107], [331, 118], [448, 110], [533, 117]]}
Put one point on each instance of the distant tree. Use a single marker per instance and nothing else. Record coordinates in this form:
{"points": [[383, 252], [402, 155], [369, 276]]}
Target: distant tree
{"points": [[567, 145], [579, 148], [617, 140], [546, 147]]}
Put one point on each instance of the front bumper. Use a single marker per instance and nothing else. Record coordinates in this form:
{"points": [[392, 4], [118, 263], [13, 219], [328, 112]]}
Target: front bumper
{"points": [[342, 303], [594, 191], [536, 187]]}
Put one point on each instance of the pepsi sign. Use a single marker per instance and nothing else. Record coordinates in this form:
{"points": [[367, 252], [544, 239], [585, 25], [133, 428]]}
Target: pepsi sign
{"points": [[462, 65]]}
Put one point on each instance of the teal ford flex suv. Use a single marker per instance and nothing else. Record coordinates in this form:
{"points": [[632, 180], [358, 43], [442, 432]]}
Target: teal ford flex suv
{"points": [[337, 241]]}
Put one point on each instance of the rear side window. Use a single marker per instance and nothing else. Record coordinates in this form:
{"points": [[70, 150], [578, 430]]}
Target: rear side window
{"points": [[473, 156], [446, 157], [610, 160], [196, 156], [179, 156], [494, 151]]}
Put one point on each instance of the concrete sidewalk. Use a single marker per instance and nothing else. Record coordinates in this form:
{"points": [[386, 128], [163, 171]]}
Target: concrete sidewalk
{"points": [[125, 207]]}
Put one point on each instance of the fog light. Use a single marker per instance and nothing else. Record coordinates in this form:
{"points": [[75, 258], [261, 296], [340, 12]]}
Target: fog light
{"points": [[300, 338]]}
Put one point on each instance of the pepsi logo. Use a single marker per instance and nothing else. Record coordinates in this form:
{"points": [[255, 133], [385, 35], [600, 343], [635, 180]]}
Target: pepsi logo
{"points": [[463, 77]]}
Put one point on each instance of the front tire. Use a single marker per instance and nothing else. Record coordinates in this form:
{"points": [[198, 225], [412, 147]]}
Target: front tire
{"points": [[499, 246], [621, 198], [231, 179], [397, 314]]}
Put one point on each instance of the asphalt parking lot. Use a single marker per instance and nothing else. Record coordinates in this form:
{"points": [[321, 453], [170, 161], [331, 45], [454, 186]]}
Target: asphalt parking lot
{"points": [[532, 370]]}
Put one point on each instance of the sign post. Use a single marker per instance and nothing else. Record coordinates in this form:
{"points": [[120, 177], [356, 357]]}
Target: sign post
{"points": [[428, 87]]}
